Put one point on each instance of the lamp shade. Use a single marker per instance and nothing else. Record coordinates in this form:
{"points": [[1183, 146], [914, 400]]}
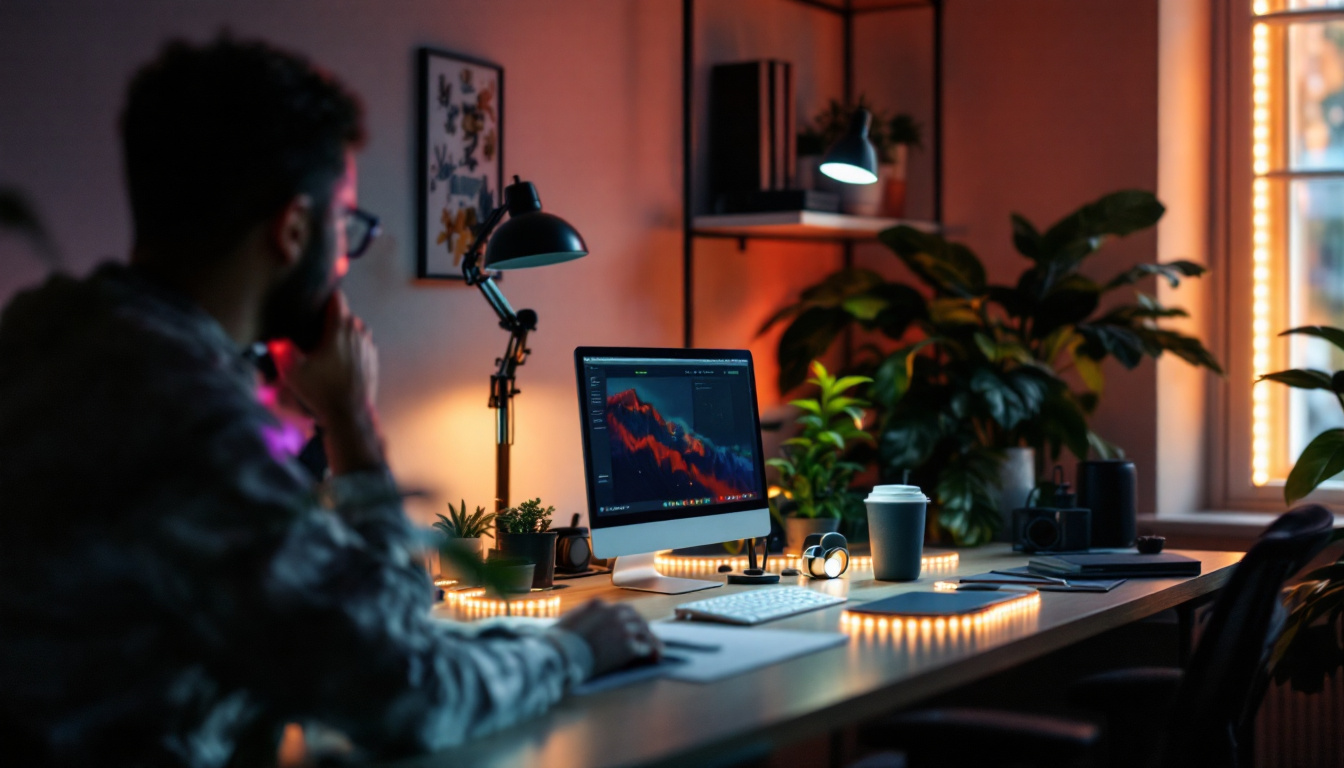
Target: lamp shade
{"points": [[531, 237], [853, 159]]}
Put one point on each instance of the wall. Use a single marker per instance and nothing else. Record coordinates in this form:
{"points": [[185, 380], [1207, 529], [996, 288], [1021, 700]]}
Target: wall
{"points": [[1048, 104], [593, 118]]}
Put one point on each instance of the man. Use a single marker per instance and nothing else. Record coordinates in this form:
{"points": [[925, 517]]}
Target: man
{"points": [[170, 585]]}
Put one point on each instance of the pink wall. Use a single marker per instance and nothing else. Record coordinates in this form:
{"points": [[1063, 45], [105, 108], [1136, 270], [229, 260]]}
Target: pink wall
{"points": [[1049, 103]]}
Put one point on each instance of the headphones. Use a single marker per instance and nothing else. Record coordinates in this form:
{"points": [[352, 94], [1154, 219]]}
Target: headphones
{"points": [[825, 555]]}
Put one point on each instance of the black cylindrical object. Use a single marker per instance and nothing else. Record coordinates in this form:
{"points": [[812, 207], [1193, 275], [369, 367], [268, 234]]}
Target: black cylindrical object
{"points": [[1109, 487], [538, 548]]}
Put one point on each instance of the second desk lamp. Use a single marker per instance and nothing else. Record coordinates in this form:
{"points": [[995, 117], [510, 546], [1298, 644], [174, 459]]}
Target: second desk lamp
{"points": [[530, 238], [853, 158]]}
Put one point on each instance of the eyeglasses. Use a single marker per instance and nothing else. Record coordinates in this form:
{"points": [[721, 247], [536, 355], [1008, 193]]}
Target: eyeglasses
{"points": [[361, 227]]}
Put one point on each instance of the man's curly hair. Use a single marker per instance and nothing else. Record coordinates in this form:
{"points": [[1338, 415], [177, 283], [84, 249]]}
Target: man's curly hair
{"points": [[219, 137]]}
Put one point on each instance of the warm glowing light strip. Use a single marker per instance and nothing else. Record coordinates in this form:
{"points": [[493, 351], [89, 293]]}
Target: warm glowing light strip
{"points": [[992, 615], [445, 583], [1260, 249], [473, 604], [939, 562]]}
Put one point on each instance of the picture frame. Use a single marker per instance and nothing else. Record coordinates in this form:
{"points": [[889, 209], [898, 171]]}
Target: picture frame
{"points": [[460, 156]]}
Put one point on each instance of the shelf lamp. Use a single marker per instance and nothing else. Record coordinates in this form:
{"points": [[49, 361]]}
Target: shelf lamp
{"points": [[530, 238], [853, 158]]}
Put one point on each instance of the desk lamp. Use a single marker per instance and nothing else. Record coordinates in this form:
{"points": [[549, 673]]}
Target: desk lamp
{"points": [[853, 159], [530, 238]]}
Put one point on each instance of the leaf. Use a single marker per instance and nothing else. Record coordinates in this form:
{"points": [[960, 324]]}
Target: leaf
{"points": [[1117, 341], [1188, 348], [807, 338], [892, 378], [968, 505], [1333, 335], [830, 293], [904, 305], [834, 438], [865, 307], [1301, 378], [949, 268], [811, 406], [1089, 371], [1173, 271], [1072, 300], [1322, 459], [953, 312], [1082, 232], [784, 466], [849, 382], [1025, 237]]}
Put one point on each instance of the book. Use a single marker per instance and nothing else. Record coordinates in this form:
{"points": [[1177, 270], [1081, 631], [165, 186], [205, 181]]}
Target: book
{"points": [[1125, 565]]}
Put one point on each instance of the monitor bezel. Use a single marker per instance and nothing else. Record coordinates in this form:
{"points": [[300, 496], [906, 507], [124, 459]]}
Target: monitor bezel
{"points": [[595, 520]]}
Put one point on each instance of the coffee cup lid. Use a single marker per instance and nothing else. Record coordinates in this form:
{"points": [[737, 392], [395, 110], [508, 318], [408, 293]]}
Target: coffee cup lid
{"points": [[897, 493]]}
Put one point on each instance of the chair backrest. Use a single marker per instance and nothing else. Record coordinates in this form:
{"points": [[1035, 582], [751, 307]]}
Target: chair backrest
{"points": [[1227, 675]]}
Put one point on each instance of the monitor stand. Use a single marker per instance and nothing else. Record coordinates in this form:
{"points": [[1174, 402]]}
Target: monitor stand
{"points": [[641, 572]]}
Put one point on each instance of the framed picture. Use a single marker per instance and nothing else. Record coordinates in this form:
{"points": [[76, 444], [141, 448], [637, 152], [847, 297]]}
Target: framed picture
{"points": [[461, 156]]}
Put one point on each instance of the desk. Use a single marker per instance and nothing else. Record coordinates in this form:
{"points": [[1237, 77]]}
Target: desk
{"points": [[666, 722]]}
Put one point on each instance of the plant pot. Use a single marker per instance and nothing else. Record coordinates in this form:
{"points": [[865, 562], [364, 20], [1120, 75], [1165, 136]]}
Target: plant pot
{"points": [[537, 548], [1017, 478], [799, 528], [892, 180], [864, 199], [514, 573], [449, 569]]}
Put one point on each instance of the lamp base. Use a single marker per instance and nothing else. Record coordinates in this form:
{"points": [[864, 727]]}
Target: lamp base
{"points": [[640, 572]]}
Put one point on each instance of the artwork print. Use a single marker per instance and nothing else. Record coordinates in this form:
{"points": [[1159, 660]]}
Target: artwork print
{"points": [[461, 156]]}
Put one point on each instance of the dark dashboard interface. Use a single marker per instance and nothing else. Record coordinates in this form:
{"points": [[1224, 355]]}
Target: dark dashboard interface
{"points": [[670, 435]]}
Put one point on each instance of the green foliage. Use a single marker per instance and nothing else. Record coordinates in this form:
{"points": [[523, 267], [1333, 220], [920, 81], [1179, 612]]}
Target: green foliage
{"points": [[964, 368], [1323, 458], [813, 471], [1312, 644], [461, 525], [528, 517], [887, 131]]}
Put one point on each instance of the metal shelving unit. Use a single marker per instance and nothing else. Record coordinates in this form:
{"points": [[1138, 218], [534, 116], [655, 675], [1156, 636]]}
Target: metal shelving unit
{"points": [[812, 226]]}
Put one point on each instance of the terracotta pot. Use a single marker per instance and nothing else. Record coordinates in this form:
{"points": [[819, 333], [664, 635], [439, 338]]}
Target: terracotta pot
{"points": [[796, 529]]}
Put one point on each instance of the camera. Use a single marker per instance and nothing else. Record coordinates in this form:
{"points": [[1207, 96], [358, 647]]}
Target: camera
{"points": [[1049, 529]]}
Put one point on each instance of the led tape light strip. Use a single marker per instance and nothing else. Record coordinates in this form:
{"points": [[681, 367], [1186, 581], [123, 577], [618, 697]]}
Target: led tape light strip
{"points": [[1260, 247], [940, 562], [473, 604], [990, 616]]}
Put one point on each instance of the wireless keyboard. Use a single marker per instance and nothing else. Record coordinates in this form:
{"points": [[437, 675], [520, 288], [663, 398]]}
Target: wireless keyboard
{"points": [[758, 605]]}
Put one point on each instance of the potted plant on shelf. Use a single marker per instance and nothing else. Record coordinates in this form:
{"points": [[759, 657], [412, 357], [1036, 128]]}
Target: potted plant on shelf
{"points": [[462, 538], [524, 532], [964, 369], [902, 134], [1311, 646], [813, 474]]}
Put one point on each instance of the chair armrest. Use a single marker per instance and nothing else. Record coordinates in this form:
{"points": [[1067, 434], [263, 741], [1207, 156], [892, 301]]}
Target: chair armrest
{"points": [[965, 736], [1141, 691]]}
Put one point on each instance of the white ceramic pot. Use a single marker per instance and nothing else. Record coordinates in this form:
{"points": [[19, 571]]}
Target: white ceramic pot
{"points": [[1017, 478]]}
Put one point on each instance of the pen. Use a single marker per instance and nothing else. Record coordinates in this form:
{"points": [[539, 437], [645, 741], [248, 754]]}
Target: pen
{"points": [[1036, 576]]}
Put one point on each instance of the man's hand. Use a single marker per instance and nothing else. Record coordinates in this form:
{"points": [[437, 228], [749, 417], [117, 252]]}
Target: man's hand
{"points": [[337, 382], [616, 634]]}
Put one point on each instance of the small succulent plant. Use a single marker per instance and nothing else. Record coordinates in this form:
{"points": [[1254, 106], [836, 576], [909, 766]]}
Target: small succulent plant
{"points": [[460, 525]]}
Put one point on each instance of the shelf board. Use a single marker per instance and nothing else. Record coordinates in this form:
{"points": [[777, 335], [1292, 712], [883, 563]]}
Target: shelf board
{"points": [[865, 6], [800, 225]]}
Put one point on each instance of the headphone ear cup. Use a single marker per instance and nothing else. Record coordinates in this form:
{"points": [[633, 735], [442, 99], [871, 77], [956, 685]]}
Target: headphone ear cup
{"points": [[833, 540], [835, 562], [814, 562]]}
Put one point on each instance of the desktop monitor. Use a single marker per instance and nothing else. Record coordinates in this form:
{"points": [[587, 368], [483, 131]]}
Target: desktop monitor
{"points": [[672, 455]]}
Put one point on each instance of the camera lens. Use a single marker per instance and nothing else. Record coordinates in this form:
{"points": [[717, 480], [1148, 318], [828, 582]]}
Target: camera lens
{"points": [[1041, 533]]}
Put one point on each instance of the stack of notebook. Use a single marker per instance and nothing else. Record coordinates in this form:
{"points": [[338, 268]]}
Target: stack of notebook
{"points": [[1113, 566]]}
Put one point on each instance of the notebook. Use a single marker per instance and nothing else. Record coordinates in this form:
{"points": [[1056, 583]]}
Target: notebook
{"points": [[1023, 578], [937, 603], [1123, 565]]}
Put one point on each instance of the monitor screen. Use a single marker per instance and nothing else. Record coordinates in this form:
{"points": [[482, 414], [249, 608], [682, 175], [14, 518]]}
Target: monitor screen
{"points": [[669, 434]]}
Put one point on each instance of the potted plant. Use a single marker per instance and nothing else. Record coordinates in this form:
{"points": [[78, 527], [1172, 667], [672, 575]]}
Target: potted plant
{"points": [[964, 369], [1311, 646], [462, 534], [902, 134], [524, 532], [813, 474]]}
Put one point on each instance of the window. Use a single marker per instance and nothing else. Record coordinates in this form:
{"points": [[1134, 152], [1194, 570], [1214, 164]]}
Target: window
{"points": [[1286, 170]]}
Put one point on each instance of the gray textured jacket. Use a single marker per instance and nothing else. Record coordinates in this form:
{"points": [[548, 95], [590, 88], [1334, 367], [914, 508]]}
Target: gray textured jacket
{"points": [[169, 580]]}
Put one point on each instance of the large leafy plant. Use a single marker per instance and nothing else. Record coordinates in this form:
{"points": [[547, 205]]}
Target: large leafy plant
{"points": [[1312, 645], [963, 368], [813, 471]]}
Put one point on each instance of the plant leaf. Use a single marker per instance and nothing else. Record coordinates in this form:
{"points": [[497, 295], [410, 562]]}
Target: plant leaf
{"points": [[1301, 378], [1333, 335], [1026, 239], [1322, 459], [804, 340], [1173, 271], [1070, 301], [949, 268], [1082, 232]]}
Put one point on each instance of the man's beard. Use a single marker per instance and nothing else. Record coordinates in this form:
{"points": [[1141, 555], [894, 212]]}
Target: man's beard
{"points": [[296, 308]]}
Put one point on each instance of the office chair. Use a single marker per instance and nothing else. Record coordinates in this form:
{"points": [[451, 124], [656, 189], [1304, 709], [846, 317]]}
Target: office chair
{"points": [[1162, 717]]}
